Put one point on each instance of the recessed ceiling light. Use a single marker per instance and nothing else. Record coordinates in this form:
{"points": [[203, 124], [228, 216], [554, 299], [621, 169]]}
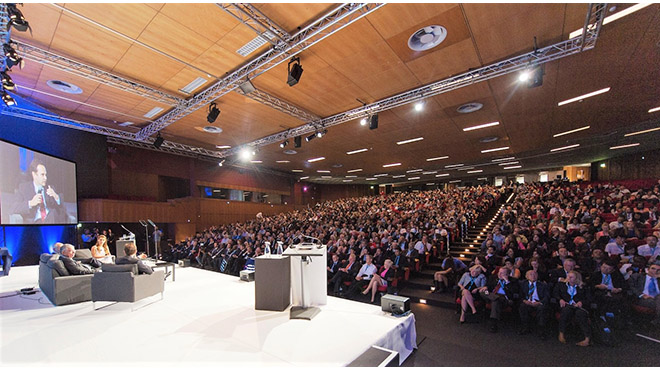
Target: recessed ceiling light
{"points": [[316, 159], [441, 175], [430, 183], [494, 149], [351, 176], [322, 171], [429, 172], [379, 175], [475, 171], [413, 178], [290, 152], [482, 126], [326, 177], [613, 17], [503, 159], [625, 146], [304, 177], [127, 123], [571, 131], [470, 107], [256, 161], [509, 163], [641, 132], [601, 91], [370, 179], [437, 158], [153, 112], [356, 151], [399, 176], [414, 171], [455, 165], [482, 178], [419, 106], [563, 148], [347, 180], [512, 167], [297, 171], [193, 85], [212, 129], [354, 171], [282, 161], [222, 147], [336, 166], [392, 165], [410, 140], [455, 181], [656, 109]]}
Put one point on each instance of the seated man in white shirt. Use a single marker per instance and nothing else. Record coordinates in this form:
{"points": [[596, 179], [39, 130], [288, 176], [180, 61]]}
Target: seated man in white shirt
{"points": [[363, 277], [617, 247], [651, 248], [647, 289], [423, 246]]}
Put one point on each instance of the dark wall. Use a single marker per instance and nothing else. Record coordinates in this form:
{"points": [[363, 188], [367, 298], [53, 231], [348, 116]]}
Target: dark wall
{"points": [[87, 150], [641, 165]]}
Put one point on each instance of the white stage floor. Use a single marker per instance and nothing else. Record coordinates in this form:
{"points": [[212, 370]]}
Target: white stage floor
{"points": [[204, 318]]}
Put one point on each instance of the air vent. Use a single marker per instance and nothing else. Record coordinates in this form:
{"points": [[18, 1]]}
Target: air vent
{"points": [[470, 107], [488, 139], [290, 152], [212, 129], [254, 44], [337, 165], [194, 85], [427, 38], [153, 112], [127, 123], [64, 87]]}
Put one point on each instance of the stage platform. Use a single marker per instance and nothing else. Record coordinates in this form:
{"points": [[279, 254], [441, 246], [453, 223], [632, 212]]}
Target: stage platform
{"points": [[205, 318]]}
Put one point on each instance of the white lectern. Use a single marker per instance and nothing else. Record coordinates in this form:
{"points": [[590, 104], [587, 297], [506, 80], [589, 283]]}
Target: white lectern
{"points": [[308, 279]]}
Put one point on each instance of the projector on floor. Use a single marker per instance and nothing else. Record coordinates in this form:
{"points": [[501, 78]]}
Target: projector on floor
{"points": [[247, 275], [395, 304]]}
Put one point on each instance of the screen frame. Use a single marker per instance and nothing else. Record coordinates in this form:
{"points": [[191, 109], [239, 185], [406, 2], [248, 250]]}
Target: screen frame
{"points": [[75, 169]]}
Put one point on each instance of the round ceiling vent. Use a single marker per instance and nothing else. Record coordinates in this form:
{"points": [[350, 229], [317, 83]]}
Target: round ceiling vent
{"points": [[488, 139], [470, 107], [64, 87], [290, 151], [212, 129], [337, 165], [427, 38]]}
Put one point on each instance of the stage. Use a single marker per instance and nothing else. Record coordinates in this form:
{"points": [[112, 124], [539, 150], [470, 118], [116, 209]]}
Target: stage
{"points": [[205, 317]]}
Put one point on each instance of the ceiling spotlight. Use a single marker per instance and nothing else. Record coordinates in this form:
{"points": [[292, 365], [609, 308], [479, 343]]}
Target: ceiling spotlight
{"points": [[11, 55], [7, 82], [419, 106], [17, 19], [310, 137], [284, 144], [246, 154], [321, 133], [8, 99], [159, 141], [524, 76], [363, 122], [214, 112], [221, 162], [295, 71]]}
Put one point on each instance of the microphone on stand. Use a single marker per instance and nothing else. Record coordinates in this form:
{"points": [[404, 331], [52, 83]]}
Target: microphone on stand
{"points": [[131, 234]]}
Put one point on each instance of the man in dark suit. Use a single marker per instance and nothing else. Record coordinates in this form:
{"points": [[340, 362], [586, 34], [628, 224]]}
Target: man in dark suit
{"points": [[536, 298], [646, 287], [608, 286], [346, 273], [399, 262], [74, 267], [130, 258], [36, 201], [500, 292], [333, 266]]}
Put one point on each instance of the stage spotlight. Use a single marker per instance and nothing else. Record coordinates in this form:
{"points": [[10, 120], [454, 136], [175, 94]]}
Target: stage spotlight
{"points": [[7, 82], [310, 137], [524, 76], [17, 19], [159, 141], [221, 162], [8, 99], [213, 113], [297, 141], [320, 134], [363, 122], [536, 76], [284, 144], [246, 154], [295, 71], [12, 56]]}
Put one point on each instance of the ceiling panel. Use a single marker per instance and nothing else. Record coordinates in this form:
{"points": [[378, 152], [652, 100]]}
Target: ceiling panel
{"points": [[42, 34], [138, 64], [129, 19]]}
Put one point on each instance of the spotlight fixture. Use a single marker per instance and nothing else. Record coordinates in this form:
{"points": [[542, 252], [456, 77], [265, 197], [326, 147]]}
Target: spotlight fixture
{"points": [[11, 55], [373, 122], [246, 154], [284, 144], [247, 87], [8, 99], [363, 122], [159, 141], [297, 141], [295, 71], [310, 137], [7, 82], [17, 20], [214, 112], [221, 162], [321, 133]]}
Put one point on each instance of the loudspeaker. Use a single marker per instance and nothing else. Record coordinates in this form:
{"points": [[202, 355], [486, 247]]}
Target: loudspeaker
{"points": [[184, 263], [373, 122], [159, 141], [247, 275], [395, 304], [297, 141]]}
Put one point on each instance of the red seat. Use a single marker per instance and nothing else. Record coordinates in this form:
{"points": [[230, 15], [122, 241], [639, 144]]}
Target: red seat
{"points": [[643, 310]]}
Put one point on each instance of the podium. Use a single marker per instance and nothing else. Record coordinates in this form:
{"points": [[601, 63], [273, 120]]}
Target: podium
{"points": [[308, 279], [121, 243], [272, 282]]}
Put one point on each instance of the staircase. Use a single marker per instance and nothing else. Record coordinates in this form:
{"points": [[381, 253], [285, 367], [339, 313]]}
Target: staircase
{"points": [[418, 287]]}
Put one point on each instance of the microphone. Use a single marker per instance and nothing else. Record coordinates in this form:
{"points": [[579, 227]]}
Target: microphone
{"points": [[129, 232], [142, 223], [152, 223]]}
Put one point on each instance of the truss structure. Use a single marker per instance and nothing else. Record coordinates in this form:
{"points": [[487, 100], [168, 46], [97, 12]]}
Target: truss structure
{"points": [[4, 31], [281, 105], [257, 21], [327, 25], [61, 63], [543, 55]]}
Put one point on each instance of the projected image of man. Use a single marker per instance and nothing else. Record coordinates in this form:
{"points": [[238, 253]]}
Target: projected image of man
{"points": [[37, 201]]}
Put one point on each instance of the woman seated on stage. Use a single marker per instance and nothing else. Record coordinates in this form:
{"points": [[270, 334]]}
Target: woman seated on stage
{"points": [[100, 251], [385, 276], [468, 285]]}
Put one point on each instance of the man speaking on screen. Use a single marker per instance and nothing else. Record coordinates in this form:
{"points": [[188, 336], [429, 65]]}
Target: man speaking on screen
{"points": [[36, 201]]}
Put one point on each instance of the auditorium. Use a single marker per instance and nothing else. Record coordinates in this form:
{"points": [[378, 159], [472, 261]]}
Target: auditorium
{"points": [[329, 185]]}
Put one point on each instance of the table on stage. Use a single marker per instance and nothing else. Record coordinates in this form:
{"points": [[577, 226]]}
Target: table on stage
{"points": [[162, 264]]}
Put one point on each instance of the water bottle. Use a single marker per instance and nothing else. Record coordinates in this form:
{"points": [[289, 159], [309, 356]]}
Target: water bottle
{"points": [[267, 250], [279, 247]]}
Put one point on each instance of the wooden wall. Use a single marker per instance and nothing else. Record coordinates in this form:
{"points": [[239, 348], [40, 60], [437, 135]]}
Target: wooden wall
{"points": [[641, 165]]}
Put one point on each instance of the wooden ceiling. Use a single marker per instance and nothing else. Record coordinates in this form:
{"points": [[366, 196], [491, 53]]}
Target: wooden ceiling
{"points": [[166, 46]]}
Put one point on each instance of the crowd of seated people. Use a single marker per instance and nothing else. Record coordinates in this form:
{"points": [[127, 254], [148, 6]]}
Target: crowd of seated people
{"points": [[581, 253], [404, 228]]}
